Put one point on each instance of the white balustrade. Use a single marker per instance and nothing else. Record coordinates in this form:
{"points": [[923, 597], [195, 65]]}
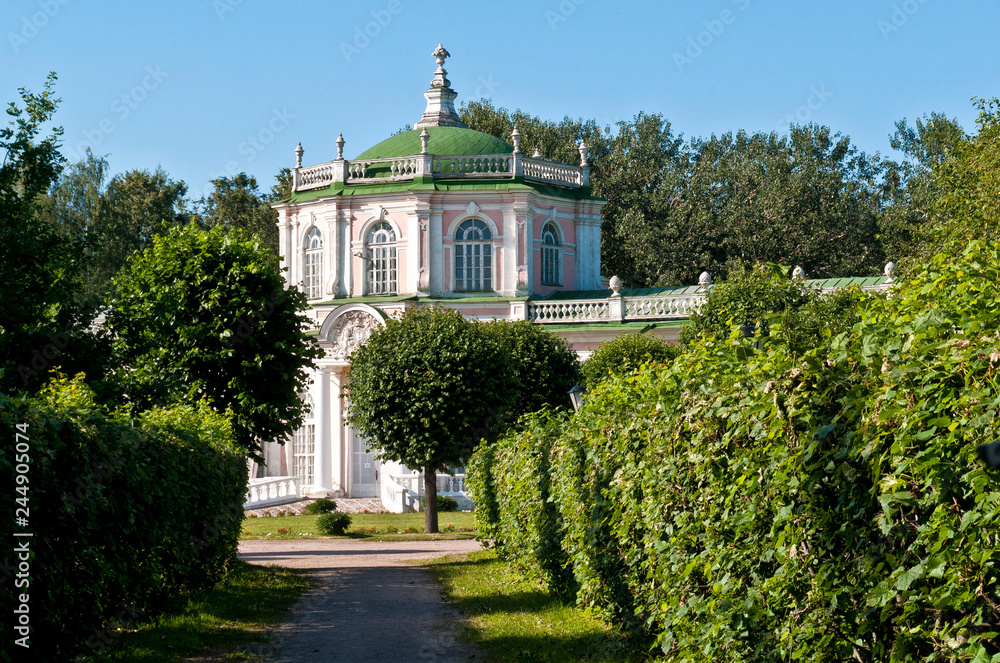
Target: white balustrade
{"points": [[650, 308], [271, 491], [479, 165], [554, 173], [581, 310], [399, 168], [313, 177]]}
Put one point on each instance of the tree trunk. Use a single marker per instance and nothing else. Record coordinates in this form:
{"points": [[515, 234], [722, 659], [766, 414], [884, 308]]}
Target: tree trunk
{"points": [[430, 500]]}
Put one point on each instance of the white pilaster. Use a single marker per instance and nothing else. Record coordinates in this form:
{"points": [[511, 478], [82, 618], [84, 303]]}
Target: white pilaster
{"points": [[323, 448]]}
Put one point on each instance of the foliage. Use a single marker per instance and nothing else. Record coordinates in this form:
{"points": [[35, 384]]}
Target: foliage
{"points": [[333, 524], [625, 354], [446, 504], [322, 505], [546, 367], [38, 266], [822, 502], [426, 388], [136, 512], [236, 203], [204, 314], [678, 207], [969, 185], [528, 526], [746, 296]]}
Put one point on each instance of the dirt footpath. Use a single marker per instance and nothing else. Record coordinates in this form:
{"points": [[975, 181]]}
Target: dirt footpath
{"points": [[368, 604]]}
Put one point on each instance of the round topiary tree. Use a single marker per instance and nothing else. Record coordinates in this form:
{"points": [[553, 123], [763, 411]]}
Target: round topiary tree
{"points": [[545, 366], [425, 389], [625, 354]]}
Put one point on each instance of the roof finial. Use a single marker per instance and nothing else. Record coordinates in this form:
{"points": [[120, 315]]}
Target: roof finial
{"points": [[298, 155], [440, 76], [424, 137], [515, 136], [340, 146]]}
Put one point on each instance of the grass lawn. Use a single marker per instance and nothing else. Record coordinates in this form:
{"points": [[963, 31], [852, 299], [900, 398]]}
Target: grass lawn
{"points": [[376, 526], [226, 625], [514, 619]]}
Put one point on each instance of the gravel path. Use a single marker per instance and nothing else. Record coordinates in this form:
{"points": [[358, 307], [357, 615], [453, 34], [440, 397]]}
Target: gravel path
{"points": [[368, 604]]}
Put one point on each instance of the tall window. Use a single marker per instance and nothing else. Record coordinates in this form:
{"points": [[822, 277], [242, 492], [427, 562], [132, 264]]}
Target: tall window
{"points": [[313, 274], [551, 274], [304, 448], [473, 256], [381, 259]]}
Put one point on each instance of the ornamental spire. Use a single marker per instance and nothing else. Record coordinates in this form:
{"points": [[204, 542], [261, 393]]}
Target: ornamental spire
{"points": [[440, 110]]}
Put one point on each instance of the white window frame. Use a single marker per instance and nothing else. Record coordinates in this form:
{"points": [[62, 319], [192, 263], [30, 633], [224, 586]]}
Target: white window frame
{"points": [[551, 256], [312, 266], [381, 272], [304, 447], [473, 263]]}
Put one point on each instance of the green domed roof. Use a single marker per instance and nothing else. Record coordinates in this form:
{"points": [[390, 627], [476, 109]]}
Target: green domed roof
{"points": [[443, 140]]}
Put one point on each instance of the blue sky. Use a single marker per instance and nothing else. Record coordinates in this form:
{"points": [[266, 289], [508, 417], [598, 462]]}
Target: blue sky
{"points": [[206, 87]]}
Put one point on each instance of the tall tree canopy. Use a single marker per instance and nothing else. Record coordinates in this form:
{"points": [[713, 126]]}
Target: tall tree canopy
{"points": [[236, 203], [204, 314], [677, 208]]}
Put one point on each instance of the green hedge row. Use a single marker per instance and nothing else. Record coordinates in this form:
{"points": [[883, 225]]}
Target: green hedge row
{"points": [[128, 515], [823, 505]]}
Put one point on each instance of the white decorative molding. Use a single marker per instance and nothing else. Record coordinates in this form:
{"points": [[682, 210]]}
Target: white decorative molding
{"points": [[472, 208], [346, 329]]}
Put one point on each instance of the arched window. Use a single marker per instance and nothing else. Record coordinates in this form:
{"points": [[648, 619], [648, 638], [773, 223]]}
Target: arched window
{"points": [[304, 447], [551, 274], [313, 273], [381, 259], [473, 257]]}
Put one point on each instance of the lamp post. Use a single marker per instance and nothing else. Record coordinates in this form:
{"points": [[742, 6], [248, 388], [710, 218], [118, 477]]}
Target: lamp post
{"points": [[748, 330], [988, 453], [576, 396]]}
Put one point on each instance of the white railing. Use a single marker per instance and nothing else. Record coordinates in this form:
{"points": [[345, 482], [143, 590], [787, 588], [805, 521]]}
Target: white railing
{"points": [[478, 165], [581, 310], [271, 491], [554, 173], [313, 177], [399, 168], [406, 490], [371, 171], [658, 308]]}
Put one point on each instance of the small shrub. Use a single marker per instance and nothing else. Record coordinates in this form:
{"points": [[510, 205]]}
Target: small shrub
{"points": [[392, 529], [446, 503], [333, 524], [322, 505], [626, 354]]}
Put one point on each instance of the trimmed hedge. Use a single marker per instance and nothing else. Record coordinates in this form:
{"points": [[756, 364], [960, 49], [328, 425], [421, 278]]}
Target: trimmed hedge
{"points": [[128, 515], [822, 503]]}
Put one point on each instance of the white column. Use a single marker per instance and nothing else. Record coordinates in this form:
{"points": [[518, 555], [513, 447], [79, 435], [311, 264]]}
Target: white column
{"points": [[436, 252], [338, 457], [322, 458]]}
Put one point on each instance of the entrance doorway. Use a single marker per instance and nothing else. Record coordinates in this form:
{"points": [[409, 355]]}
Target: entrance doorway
{"points": [[364, 467]]}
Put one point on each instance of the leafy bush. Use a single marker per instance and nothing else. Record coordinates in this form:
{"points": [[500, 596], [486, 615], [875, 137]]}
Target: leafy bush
{"points": [[136, 513], [747, 295], [545, 366], [322, 505], [625, 354], [817, 502], [333, 524], [445, 503], [480, 482], [529, 527]]}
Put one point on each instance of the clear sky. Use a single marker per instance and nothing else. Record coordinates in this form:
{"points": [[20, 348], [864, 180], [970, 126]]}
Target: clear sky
{"points": [[206, 87]]}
